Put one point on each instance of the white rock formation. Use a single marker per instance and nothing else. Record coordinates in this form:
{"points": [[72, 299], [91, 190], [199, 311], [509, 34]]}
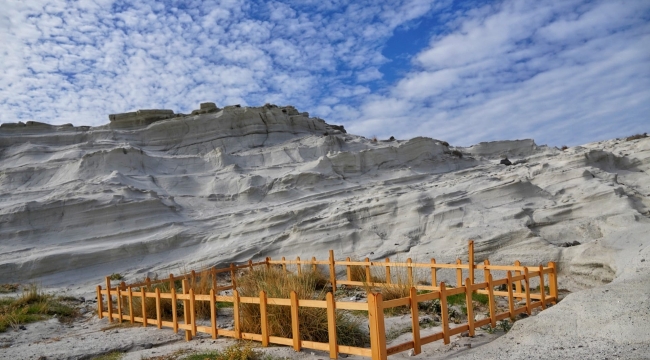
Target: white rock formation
{"points": [[78, 203]]}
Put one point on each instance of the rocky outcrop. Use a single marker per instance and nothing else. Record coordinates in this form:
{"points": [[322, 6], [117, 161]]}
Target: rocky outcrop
{"points": [[138, 118]]}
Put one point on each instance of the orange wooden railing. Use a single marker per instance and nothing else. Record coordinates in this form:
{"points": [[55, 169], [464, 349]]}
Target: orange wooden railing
{"points": [[517, 282]]}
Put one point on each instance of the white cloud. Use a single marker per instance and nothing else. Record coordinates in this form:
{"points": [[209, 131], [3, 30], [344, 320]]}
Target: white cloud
{"points": [[560, 72]]}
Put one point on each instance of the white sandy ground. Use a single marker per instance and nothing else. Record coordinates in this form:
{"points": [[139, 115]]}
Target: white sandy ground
{"points": [[77, 204]]}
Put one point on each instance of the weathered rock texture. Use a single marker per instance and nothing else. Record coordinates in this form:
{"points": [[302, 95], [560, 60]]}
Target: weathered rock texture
{"points": [[227, 185]]}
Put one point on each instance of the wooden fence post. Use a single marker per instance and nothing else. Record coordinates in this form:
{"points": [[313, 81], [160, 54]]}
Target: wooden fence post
{"points": [[171, 282], [470, 306], [388, 277], [268, 262], [486, 270], [284, 265], [193, 312], [332, 271], [143, 303], [213, 314], [444, 312], [264, 320], [493, 310], [131, 305], [100, 302], [186, 310], [158, 309], [552, 282], [314, 267], [459, 274], [193, 282], [415, 321], [295, 324], [299, 265], [119, 304], [511, 300], [434, 280], [213, 274], [368, 276], [471, 262], [124, 297], [527, 290], [348, 269], [331, 325], [109, 299], [517, 273], [377, 327], [174, 311], [542, 291], [233, 276], [235, 306], [409, 273]]}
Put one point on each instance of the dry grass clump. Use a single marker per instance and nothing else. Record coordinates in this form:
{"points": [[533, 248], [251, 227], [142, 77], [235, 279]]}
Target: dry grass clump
{"points": [[32, 305], [312, 321]]}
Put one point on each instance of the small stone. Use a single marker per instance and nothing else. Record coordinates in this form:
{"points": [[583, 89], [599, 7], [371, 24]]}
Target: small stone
{"points": [[468, 345], [411, 352], [22, 327], [148, 346], [464, 334], [642, 260]]}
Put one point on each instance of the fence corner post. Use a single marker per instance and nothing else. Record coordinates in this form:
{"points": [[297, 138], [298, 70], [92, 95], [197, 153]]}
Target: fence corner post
{"points": [[377, 327]]}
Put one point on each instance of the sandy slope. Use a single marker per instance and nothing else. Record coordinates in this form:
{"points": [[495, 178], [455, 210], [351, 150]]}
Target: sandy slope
{"points": [[77, 204]]}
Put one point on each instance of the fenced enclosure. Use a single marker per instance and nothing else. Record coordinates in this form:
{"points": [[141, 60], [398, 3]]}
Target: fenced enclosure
{"points": [[199, 292]]}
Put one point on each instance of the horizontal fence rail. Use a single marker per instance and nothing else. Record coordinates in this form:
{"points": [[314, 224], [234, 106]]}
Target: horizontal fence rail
{"points": [[123, 301]]}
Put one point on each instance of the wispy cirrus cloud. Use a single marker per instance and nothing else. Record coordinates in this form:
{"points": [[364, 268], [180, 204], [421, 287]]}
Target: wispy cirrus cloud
{"points": [[566, 71]]}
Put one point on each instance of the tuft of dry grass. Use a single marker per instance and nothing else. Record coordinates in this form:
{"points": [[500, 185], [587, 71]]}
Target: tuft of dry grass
{"points": [[33, 305], [312, 321]]}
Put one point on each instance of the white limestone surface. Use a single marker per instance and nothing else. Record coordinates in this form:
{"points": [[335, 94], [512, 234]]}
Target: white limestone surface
{"points": [[80, 203]]}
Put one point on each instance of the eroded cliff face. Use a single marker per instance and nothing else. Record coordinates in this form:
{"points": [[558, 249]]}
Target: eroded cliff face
{"points": [[227, 185]]}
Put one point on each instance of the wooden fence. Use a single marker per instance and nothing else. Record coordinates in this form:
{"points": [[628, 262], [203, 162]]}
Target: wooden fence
{"points": [[120, 301]]}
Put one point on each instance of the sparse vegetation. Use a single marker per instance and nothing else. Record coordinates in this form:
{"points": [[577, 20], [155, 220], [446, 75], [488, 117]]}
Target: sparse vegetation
{"points": [[116, 355], [636, 137], [457, 153], [313, 321], [116, 276], [9, 288], [33, 305], [564, 147]]}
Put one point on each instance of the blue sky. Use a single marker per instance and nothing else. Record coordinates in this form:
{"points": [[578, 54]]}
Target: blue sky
{"points": [[561, 72]]}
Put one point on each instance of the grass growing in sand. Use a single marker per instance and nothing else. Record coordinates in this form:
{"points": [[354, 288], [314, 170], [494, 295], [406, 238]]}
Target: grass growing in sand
{"points": [[33, 305], [313, 321], [238, 351]]}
